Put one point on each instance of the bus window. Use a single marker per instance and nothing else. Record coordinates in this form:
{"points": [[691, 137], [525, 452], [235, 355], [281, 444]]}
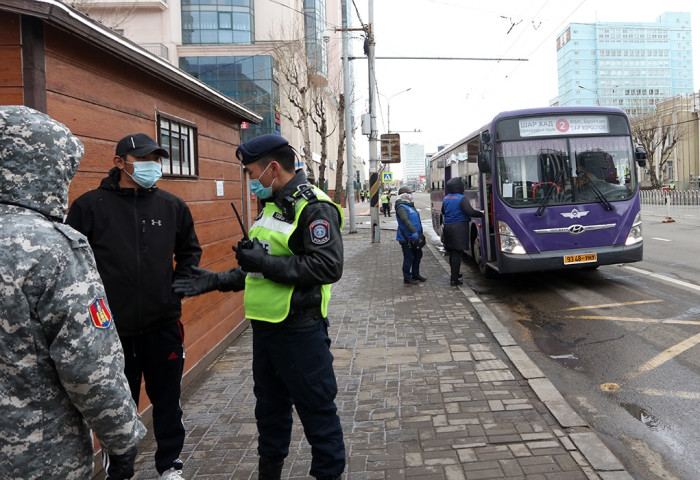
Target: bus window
{"points": [[606, 163]]}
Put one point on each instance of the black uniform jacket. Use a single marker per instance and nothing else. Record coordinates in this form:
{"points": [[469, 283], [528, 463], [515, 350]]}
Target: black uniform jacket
{"points": [[312, 264], [136, 234]]}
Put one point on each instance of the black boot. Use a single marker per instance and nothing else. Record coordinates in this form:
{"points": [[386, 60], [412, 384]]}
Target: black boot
{"points": [[269, 470]]}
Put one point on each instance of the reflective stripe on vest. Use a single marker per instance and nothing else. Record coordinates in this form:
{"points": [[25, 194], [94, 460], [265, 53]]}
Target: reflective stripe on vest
{"points": [[264, 299]]}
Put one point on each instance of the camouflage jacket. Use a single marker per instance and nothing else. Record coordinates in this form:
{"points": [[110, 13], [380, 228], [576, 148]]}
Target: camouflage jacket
{"points": [[61, 363]]}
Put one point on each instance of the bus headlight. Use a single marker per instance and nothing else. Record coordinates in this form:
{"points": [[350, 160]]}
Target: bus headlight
{"points": [[635, 235], [509, 242]]}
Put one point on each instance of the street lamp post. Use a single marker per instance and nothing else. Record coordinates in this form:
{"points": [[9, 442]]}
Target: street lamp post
{"points": [[388, 108], [597, 95]]}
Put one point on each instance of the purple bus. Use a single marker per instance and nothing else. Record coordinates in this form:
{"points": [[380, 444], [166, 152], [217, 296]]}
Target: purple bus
{"points": [[559, 185]]}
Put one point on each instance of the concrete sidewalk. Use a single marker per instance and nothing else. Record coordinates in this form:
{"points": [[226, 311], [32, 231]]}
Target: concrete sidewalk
{"points": [[431, 386]]}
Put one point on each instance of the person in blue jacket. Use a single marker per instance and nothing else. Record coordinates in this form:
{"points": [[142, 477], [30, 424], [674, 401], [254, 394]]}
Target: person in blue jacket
{"points": [[457, 214], [410, 236]]}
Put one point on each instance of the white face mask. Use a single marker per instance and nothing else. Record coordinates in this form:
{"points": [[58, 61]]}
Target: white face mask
{"points": [[146, 173]]}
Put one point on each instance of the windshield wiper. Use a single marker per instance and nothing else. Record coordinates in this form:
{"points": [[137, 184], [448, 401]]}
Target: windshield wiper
{"points": [[601, 197], [548, 193]]}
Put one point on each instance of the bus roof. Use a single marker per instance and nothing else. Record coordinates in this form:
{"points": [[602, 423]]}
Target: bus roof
{"points": [[527, 112]]}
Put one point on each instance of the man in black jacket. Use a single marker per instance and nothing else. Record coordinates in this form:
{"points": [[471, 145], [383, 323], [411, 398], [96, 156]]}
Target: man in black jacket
{"points": [[136, 230], [296, 253]]}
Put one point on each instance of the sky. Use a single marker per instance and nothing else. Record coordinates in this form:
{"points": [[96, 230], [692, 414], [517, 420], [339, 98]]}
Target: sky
{"points": [[449, 99]]}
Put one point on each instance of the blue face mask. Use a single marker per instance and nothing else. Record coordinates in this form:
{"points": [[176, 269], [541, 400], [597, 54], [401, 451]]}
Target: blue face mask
{"points": [[146, 173], [257, 188]]}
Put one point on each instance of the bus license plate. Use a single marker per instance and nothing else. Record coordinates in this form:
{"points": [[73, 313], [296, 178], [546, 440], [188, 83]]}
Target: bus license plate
{"points": [[583, 258]]}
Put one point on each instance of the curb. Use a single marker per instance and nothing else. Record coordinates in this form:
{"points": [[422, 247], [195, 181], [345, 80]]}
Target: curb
{"points": [[600, 458]]}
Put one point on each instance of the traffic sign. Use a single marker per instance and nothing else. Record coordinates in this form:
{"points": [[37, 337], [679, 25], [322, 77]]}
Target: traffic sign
{"points": [[387, 177]]}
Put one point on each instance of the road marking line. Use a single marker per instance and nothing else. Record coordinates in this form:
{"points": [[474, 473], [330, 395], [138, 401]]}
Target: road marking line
{"points": [[664, 278], [661, 239], [607, 305], [670, 353], [665, 356], [671, 394], [635, 319]]}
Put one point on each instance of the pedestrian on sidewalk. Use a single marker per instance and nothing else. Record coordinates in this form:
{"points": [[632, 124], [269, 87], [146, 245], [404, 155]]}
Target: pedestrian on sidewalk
{"points": [[61, 362], [386, 206], [457, 213], [287, 270], [137, 232], [410, 236]]}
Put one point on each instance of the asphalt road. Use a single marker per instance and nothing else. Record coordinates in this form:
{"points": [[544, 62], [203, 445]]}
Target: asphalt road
{"points": [[621, 343]]}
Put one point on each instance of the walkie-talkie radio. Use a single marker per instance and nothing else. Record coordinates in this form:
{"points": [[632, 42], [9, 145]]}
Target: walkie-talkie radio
{"points": [[246, 242]]}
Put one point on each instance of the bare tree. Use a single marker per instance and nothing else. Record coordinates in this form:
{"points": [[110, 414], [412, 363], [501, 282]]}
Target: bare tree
{"points": [[658, 134], [340, 166], [293, 66], [110, 15], [321, 117]]}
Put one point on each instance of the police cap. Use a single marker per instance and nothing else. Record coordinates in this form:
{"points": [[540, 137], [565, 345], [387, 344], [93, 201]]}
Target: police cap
{"points": [[258, 147]]}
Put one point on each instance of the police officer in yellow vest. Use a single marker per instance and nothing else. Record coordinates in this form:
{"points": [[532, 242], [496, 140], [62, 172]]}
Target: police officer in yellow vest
{"points": [[287, 272]]}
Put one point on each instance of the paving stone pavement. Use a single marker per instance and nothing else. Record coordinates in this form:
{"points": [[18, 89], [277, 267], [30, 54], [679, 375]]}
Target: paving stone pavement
{"points": [[431, 387]]}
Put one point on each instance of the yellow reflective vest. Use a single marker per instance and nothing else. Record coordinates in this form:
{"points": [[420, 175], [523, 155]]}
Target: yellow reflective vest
{"points": [[264, 299]]}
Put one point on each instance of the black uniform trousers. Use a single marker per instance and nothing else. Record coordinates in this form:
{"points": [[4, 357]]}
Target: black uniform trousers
{"points": [[294, 366], [159, 356]]}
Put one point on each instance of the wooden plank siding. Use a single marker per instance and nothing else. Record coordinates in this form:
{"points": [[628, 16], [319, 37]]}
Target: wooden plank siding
{"points": [[102, 99], [11, 88], [103, 88]]}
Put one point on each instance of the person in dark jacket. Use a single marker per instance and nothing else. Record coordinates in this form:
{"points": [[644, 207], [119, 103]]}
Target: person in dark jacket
{"points": [[457, 214], [410, 236], [296, 253], [136, 230]]}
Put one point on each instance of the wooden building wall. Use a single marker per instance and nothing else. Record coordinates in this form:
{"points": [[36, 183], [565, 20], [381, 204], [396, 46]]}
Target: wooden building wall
{"points": [[10, 60], [102, 98]]}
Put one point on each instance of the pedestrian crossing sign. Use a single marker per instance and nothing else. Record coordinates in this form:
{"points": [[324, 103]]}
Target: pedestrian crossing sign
{"points": [[387, 177]]}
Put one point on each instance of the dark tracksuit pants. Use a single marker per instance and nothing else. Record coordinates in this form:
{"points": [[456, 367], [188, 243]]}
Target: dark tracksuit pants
{"points": [[294, 366], [159, 357], [411, 260], [455, 264]]}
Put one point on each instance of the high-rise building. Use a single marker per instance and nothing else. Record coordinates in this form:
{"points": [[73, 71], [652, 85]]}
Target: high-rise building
{"points": [[413, 164], [632, 66], [250, 50]]}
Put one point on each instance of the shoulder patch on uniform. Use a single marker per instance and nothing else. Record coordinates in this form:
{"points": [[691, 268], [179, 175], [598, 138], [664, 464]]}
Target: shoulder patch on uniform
{"points": [[77, 239], [100, 314], [320, 232]]}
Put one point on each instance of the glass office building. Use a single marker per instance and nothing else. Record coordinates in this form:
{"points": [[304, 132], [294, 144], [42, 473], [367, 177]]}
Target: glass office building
{"points": [[217, 21], [248, 80], [632, 66]]}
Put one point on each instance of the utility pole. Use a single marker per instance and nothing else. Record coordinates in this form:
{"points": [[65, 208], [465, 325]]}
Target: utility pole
{"points": [[349, 100], [373, 149]]}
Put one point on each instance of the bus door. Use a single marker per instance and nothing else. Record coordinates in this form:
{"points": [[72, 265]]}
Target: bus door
{"points": [[488, 233]]}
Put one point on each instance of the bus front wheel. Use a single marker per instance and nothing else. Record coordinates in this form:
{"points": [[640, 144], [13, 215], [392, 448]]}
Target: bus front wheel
{"points": [[478, 259]]}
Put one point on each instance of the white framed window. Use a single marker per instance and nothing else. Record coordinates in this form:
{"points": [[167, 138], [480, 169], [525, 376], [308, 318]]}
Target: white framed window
{"points": [[179, 138]]}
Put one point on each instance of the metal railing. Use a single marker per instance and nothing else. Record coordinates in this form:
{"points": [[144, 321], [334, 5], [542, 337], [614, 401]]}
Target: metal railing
{"points": [[671, 203], [156, 49]]}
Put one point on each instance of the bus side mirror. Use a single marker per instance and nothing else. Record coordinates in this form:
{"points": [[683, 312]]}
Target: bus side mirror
{"points": [[641, 156], [483, 162], [486, 137]]}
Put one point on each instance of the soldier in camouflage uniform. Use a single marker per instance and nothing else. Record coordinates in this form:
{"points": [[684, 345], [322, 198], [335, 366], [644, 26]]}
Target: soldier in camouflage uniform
{"points": [[61, 363]]}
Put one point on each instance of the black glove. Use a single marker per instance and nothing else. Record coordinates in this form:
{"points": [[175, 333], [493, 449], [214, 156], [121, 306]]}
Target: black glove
{"points": [[254, 258], [120, 467], [206, 281]]}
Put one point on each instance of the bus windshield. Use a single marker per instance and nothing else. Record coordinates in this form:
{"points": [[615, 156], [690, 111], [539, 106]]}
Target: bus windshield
{"points": [[565, 171]]}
